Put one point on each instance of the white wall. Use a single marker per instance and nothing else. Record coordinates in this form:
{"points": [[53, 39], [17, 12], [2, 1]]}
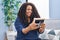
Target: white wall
{"points": [[42, 7]]}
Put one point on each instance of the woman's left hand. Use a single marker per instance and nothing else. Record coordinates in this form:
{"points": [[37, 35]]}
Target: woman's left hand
{"points": [[42, 27]]}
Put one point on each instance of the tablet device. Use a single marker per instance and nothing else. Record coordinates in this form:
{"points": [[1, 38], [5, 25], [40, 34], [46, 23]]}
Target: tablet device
{"points": [[38, 21]]}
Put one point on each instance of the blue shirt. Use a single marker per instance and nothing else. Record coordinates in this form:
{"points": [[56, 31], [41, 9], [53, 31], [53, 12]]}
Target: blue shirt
{"points": [[20, 35]]}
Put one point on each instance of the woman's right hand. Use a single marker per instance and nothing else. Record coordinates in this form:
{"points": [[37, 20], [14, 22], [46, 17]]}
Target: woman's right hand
{"points": [[33, 26]]}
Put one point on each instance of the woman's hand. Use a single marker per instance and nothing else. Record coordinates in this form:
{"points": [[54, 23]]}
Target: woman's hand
{"points": [[42, 28], [33, 26]]}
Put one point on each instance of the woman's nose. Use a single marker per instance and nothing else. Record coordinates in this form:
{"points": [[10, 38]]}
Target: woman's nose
{"points": [[30, 10]]}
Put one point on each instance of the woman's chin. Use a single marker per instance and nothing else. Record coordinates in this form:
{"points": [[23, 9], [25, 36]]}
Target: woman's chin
{"points": [[28, 15]]}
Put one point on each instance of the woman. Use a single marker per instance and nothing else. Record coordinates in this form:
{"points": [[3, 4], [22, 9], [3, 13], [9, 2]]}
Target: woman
{"points": [[26, 27]]}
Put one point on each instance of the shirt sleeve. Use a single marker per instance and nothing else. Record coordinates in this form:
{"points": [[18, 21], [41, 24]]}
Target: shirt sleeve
{"points": [[18, 25]]}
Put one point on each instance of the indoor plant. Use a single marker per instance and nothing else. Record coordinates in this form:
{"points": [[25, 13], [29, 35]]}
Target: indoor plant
{"points": [[10, 8]]}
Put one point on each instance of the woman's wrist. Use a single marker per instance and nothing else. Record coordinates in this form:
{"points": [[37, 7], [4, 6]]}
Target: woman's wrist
{"points": [[26, 30]]}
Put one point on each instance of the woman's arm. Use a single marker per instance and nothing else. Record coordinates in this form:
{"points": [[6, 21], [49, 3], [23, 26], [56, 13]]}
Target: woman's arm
{"points": [[19, 27]]}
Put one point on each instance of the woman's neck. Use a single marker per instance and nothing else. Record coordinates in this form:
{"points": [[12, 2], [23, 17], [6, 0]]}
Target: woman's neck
{"points": [[28, 20]]}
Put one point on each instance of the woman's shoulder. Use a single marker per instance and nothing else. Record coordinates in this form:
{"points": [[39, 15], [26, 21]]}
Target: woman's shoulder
{"points": [[17, 19]]}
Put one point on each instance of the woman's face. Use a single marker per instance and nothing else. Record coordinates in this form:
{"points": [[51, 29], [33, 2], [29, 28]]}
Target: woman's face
{"points": [[28, 10]]}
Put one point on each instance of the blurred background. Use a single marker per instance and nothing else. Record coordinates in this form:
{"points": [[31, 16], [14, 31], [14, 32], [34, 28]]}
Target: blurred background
{"points": [[48, 9]]}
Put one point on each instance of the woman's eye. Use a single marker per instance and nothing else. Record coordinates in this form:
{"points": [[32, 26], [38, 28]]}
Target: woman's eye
{"points": [[28, 9]]}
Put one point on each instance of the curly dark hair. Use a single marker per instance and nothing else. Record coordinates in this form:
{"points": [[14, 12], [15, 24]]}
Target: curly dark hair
{"points": [[22, 12]]}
